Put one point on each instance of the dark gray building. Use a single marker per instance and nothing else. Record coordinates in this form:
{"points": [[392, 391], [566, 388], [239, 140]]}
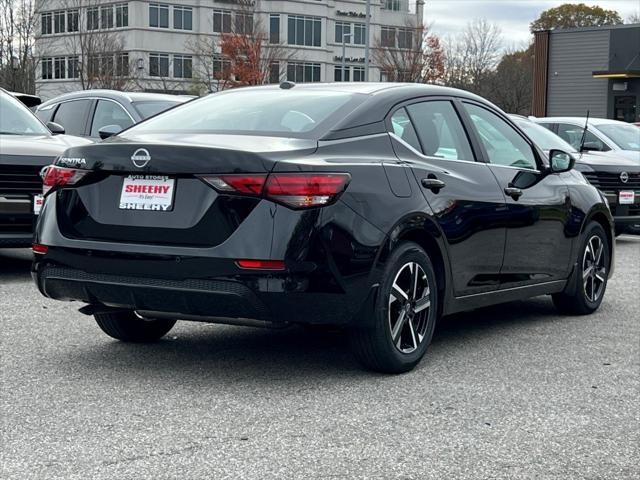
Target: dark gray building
{"points": [[594, 68]]}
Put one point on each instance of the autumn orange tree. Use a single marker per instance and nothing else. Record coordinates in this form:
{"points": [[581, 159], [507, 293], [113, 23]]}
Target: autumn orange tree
{"points": [[244, 56], [410, 54]]}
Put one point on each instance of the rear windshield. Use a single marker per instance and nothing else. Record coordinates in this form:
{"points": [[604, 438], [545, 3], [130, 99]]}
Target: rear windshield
{"points": [[626, 137], [151, 108], [268, 112]]}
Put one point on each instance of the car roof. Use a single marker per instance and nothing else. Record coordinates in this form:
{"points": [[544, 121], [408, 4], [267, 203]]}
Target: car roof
{"points": [[377, 88], [579, 120], [120, 96]]}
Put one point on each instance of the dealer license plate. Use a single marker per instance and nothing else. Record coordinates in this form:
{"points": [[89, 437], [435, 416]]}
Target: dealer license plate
{"points": [[627, 198], [147, 192]]}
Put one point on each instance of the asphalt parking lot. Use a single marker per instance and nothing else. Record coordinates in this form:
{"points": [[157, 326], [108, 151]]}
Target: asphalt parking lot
{"points": [[514, 391]]}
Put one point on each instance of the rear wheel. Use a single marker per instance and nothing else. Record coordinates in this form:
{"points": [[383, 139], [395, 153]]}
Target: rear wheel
{"points": [[592, 272], [129, 327], [404, 314]]}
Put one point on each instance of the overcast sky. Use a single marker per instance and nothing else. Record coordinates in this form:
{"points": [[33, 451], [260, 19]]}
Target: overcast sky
{"points": [[513, 16]]}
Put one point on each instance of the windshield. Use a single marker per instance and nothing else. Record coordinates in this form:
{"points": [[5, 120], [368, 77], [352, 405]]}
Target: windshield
{"points": [[626, 137], [151, 108], [544, 138], [16, 119], [267, 112]]}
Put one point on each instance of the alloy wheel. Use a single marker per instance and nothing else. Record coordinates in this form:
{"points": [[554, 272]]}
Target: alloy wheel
{"points": [[409, 307], [594, 270]]}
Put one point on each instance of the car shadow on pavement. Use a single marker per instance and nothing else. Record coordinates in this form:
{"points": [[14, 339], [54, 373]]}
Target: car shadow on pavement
{"points": [[219, 354], [15, 264]]}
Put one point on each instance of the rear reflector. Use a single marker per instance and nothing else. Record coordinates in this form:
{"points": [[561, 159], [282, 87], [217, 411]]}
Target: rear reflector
{"points": [[296, 190], [39, 249], [54, 176], [261, 264]]}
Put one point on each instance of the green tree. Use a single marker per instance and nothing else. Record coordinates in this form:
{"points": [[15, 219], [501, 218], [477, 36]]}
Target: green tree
{"points": [[571, 15]]}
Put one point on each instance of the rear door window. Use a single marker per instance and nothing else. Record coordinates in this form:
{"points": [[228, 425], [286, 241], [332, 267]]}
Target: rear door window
{"points": [[72, 116], [109, 113], [440, 130]]}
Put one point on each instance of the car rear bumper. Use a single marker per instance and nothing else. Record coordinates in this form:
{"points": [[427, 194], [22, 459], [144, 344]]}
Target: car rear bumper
{"points": [[192, 298]]}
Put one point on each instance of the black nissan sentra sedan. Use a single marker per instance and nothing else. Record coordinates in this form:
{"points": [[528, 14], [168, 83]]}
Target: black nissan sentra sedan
{"points": [[378, 207]]}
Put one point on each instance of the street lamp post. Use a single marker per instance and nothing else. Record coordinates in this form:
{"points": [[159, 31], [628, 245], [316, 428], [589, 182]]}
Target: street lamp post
{"points": [[367, 43], [344, 53]]}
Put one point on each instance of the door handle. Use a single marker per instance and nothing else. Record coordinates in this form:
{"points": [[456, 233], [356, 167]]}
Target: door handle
{"points": [[433, 184], [513, 192]]}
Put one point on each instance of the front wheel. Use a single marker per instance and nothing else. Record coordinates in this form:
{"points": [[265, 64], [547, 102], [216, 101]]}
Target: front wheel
{"points": [[404, 314], [129, 327], [592, 275]]}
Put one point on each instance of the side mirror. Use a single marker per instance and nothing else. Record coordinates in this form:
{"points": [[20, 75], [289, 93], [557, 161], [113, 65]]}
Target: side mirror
{"points": [[55, 128], [109, 131], [560, 161]]}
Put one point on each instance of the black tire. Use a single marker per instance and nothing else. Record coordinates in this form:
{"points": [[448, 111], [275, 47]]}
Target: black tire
{"points": [[374, 346], [582, 301], [128, 327]]}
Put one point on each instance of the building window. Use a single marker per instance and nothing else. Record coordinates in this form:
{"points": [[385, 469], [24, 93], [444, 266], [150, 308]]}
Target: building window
{"points": [[221, 67], [405, 38], [359, 34], [93, 18], [122, 65], [343, 32], [394, 5], [340, 75], [274, 29], [73, 67], [72, 20], [122, 15], [158, 65], [274, 72], [305, 31], [303, 72], [244, 23], [182, 66], [388, 37], [221, 21], [158, 15], [47, 21], [59, 67], [106, 16], [358, 74], [58, 21], [47, 68], [183, 18]]}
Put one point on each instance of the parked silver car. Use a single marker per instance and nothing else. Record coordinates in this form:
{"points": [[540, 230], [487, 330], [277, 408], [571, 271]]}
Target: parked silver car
{"points": [[602, 135]]}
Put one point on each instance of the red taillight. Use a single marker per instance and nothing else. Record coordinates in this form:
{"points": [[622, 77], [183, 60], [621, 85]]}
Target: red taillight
{"points": [[55, 176], [261, 264], [296, 190], [305, 190], [39, 249], [246, 184]]}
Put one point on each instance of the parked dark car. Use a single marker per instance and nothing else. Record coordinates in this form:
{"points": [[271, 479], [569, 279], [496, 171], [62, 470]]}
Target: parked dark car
{"points": [[616, 175], [26, 146], [87, 112], [378, 207]]}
